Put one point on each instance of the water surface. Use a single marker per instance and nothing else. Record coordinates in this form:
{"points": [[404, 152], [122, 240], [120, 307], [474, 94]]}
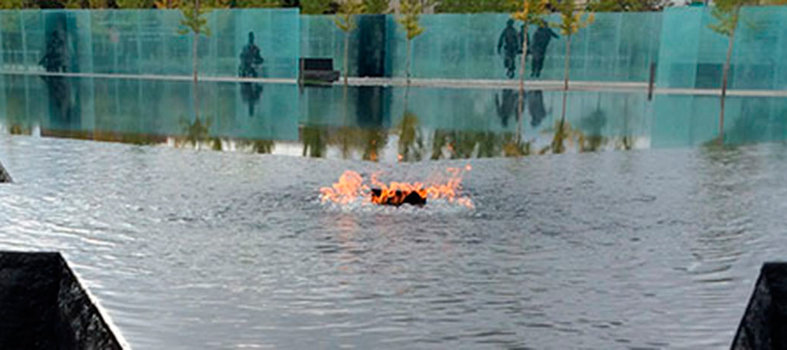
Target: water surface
{"points": [[199, 249]]}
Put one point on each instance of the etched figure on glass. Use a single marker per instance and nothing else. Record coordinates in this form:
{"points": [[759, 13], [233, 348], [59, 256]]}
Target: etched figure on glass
{"points": [[509, 45], [250, 59], [538, 48], [54, 59]]}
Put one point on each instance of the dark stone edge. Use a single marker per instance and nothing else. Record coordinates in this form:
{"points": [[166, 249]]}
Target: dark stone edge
{"points": [[79, 310], [80, 322], [4, 176], [762, 322]]}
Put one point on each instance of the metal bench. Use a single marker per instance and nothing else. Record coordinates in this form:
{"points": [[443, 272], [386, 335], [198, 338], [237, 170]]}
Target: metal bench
{"points": [[317, 71]]}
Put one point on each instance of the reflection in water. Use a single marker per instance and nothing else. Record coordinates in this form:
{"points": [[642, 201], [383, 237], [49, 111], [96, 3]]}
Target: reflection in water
{"points": [[315, 140], [374, 141], [451, 144], [591, 138], [506, 103], [535, 105], [196, 133], [262, 146], [60, 102], [251, 94], [411, 143], [372, 123]]}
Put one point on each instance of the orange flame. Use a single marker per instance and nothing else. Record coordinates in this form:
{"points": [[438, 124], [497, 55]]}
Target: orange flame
{"points": [[351, 187]]}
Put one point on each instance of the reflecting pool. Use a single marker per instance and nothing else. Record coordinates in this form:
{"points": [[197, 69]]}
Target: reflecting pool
{"points": [[190, 248]]}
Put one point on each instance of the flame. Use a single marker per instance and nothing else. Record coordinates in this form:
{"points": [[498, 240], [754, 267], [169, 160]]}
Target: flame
{"points": [[351, 187]]}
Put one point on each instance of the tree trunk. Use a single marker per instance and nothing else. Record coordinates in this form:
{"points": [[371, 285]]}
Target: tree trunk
{"points": [[194, 61], [346, 45], [565, 79], [194, 43], [724, 75], [522, 61], [407, 63]]}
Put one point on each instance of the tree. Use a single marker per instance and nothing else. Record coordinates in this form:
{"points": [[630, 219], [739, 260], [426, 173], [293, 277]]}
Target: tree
{"points": [[376, 6], [727, 15], [255, 4], [571, 21], [11, 4], [531, 12], [90, 4], [167, 4], [627, 5], [345, 20], [475, 6], [135, 4], [194, 21], [408, 18], [315, 7]]}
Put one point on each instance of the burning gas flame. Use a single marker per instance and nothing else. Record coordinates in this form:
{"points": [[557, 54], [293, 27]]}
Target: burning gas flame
{"points": [[351, 187]]}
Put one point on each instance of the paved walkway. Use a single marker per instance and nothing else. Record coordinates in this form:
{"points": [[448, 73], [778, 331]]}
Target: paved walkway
{"points": [[548, 85]]}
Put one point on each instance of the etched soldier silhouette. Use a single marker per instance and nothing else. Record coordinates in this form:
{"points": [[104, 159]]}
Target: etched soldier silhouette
{"points": [[250, 59], [535, 105], [506, 104], [510, 44], [61, 104], [541, 40], [54, 59]]}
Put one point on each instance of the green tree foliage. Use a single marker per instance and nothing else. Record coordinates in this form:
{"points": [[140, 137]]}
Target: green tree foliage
{"points": [[376, 6], [256, 3], [135, 4], [571, 18], [410, 10], [315, 7], [475, 6], [86, 4], [11, 4], [409, 17], [627, 5], [345, 20]]}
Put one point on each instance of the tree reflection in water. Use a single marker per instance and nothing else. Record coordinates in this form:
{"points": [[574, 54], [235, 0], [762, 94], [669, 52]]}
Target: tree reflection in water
{"points": [[258, 146], [591, 138], [411, 142], [451, 144], [315, 141], [374, 141], [196, 134]]}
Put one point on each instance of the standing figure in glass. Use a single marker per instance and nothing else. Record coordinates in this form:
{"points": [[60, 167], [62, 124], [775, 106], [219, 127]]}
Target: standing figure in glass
{"points": [[539, 47], [510, 45], [250, 59], [55, 58]]}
